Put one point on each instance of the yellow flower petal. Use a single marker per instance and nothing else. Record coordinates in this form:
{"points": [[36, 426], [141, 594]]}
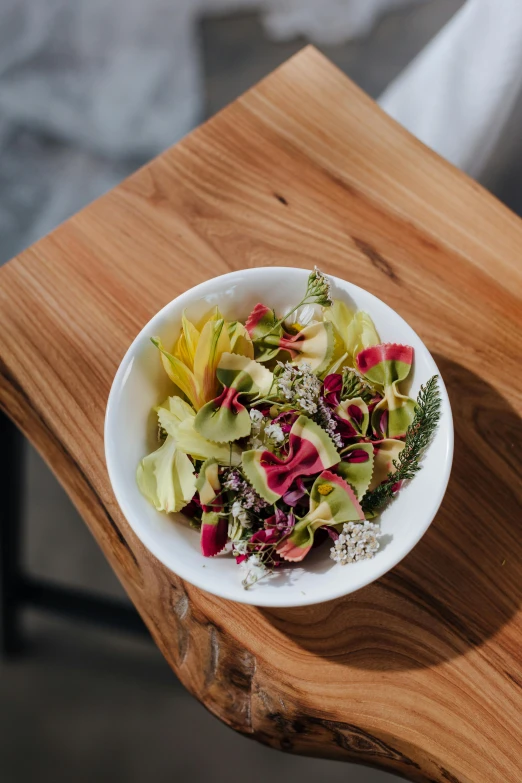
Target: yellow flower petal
{"points": [[172, 413], [167, 477], [356, 331], [191, 337], [178, 372], [361, 334], [213, 342], [212, 315], [181, 352], [340, 315]]}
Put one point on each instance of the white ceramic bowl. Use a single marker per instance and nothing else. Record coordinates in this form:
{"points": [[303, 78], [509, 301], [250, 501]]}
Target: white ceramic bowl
{"points": [[141, 383]]}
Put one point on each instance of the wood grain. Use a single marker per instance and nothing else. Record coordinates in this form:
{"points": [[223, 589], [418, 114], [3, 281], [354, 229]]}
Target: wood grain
{"points": [[421, 672]]}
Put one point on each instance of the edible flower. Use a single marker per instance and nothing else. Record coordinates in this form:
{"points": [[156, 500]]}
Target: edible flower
{"points": [[357, 541], [196, 355], [167, 476]]}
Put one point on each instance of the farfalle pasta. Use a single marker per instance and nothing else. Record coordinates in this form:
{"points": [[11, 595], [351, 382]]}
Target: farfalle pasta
{"points": [[286, 431]]}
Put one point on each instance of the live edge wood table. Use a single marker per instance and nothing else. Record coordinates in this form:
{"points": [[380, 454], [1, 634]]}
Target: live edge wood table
{"points": [[421, 672]]}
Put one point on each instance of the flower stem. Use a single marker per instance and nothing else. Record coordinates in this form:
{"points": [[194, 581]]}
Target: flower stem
{"points": [[281, 320]]}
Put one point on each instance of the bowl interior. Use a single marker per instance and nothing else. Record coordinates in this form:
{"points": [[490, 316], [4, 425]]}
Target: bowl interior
{"points": [[141, 383]]}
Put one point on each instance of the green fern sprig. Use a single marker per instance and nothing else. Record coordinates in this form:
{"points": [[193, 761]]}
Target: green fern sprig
{"points": [[418, 437]]}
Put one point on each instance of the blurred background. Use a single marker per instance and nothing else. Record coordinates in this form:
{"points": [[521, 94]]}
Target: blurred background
{"points": [[89, 91]]}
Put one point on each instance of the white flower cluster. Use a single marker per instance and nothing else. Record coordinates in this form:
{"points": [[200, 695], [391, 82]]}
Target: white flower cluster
{"points": [[358, 541], [263, 433], [255, 570], [274, 433], [253, 565], [257, 418], [299, 386], [241, 514]]}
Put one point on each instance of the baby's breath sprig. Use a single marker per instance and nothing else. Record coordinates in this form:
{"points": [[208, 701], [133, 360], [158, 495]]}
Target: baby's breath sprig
{"points": [[274, 436], [258, 563], [418, 437]]}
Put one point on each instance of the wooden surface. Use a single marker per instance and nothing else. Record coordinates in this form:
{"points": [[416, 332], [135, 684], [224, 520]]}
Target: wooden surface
{"points": [[421, 672]]}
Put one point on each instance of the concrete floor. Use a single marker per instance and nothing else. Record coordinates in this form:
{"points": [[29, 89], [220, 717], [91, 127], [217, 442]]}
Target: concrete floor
{"points": [[86, 705], [83, 706]]}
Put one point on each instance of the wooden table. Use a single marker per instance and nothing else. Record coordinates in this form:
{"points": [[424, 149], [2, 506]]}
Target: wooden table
{"points": [[421, 672]]}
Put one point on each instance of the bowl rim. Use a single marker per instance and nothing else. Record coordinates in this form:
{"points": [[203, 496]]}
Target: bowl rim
{"points": [[190, 575]]}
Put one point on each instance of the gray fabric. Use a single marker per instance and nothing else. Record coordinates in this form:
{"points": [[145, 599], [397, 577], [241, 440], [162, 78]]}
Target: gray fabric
{"points": [[89, 89], [100, 75], [86, 95]]}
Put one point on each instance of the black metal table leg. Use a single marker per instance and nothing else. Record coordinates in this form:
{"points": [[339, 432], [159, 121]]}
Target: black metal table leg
{"points": [[19, 590], [11, 478], [81, 605]]}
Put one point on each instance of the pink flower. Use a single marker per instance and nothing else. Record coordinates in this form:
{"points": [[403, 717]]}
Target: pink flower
{"points": [[285, 420], [266, 536], [280, 522], [293, 496], [332, 387]]}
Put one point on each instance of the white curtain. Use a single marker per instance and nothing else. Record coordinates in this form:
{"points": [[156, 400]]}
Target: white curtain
{"points": [[461, 90]]}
